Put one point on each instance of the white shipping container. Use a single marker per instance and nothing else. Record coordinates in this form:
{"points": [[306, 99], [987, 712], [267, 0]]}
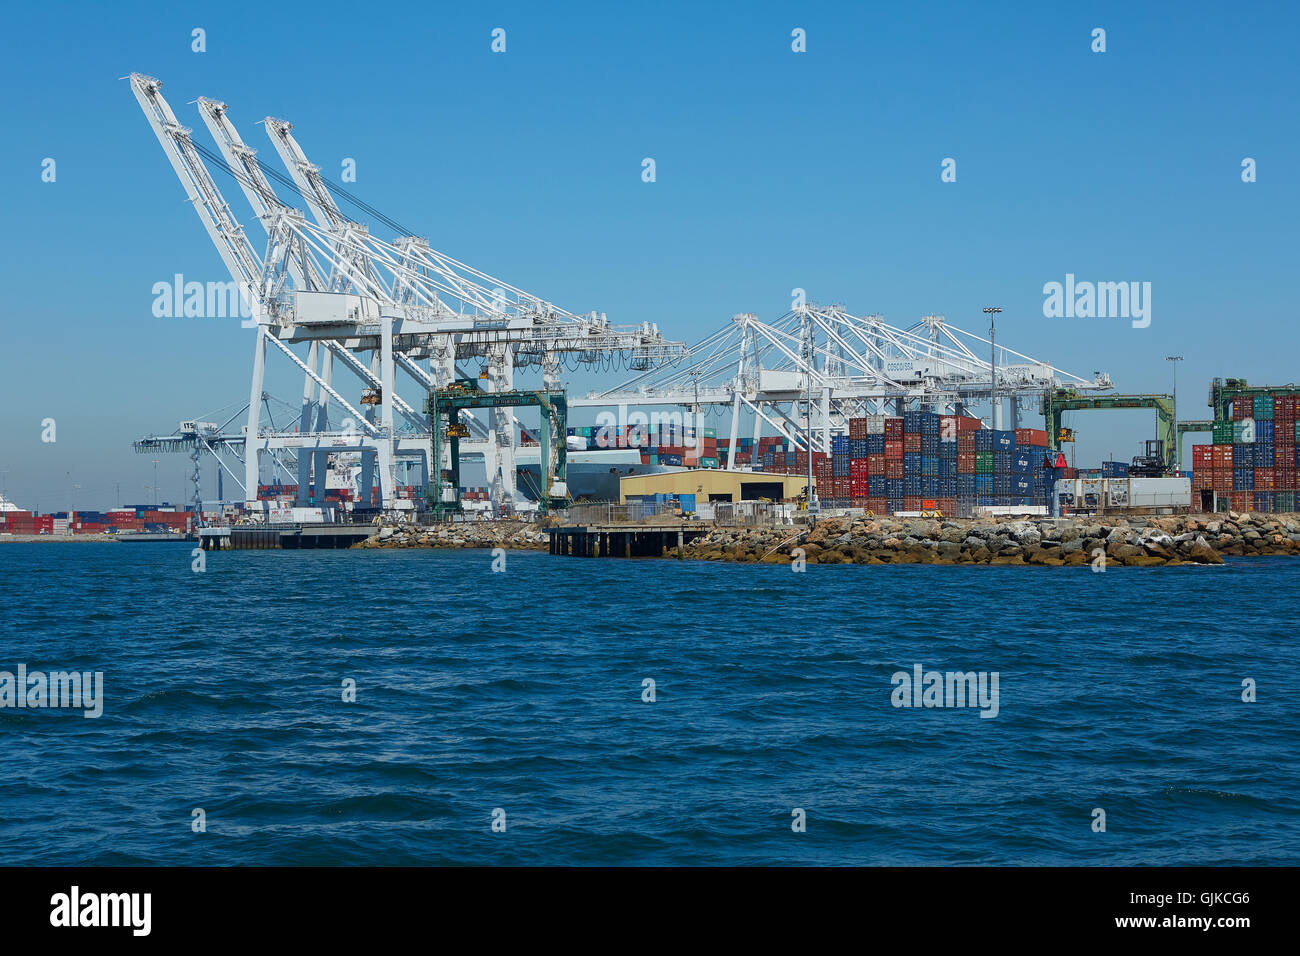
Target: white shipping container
{"points": [[1160, 492], [1118, 493]]}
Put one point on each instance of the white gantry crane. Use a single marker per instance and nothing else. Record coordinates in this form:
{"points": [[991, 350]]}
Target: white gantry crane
{"points": [[376, 307], [834, 366]]}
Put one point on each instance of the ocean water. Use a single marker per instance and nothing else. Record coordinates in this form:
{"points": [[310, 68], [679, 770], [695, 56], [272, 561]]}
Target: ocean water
{"points": [[521, 692]]}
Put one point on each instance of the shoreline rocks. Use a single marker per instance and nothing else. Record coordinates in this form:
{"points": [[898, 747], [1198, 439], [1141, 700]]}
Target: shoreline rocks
{"points": [[512, 535], [1129, 542], [1146, 541]]}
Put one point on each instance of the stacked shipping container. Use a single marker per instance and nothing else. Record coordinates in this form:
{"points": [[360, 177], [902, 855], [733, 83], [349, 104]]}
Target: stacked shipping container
{"points": [[659, 444], [95, 522], [1252, 463], [925, 461]]}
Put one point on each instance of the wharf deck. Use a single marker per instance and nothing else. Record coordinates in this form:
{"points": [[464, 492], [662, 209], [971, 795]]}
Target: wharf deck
{"points": [[289, 537], [622, 540]]}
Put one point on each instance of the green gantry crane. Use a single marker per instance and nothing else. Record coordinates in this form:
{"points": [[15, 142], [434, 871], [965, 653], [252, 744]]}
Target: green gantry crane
{"points": [[463, 394], [1058, 401], [1223, 391], [1196, 427]]}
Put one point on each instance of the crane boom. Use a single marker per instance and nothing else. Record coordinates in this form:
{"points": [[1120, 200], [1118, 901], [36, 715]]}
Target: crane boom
{"points": [[225, 231]]}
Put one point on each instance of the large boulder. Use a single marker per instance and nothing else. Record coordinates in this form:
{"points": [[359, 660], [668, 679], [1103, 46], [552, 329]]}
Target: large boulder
{"points": [[1202, 553]]}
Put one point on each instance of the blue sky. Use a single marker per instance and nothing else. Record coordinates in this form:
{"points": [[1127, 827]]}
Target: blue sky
{"points": [[774, 170]]}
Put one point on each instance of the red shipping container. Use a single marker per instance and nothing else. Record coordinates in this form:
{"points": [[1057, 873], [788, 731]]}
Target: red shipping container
{"points": [[877, 505], [1222, 456], [953, 426], [911, 443], [948, 506], [858, 501], [1284, 479], [1263, 479], [1242, 408], [893, 430], [966, 462], [858, 467], [875, 464], [893, 467], [894, 449], [911, 503], [965, 442], [1031, 436], [1202, 455], [857, 428]]}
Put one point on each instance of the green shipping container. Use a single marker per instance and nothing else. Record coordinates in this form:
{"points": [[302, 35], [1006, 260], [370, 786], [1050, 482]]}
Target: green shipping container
{"points": [[1264, 407], [1284, 501], [1223, 432], [984, 463], [708, 463]]}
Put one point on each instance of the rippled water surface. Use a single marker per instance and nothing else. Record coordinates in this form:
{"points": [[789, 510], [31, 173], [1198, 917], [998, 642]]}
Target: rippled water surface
{"points": [[523, 691]]}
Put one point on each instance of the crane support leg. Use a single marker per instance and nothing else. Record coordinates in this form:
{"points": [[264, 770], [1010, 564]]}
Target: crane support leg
{"points": [[254, 420]]}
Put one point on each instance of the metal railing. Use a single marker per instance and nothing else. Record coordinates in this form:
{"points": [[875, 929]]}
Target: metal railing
{"points": [[632, 512], [750, 514]]}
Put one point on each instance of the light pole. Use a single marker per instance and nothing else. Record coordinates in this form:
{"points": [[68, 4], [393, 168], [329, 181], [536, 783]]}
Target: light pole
{"points": [[695, 413], [813, 504], [995, 413], [155, 484], [1178, 443]]}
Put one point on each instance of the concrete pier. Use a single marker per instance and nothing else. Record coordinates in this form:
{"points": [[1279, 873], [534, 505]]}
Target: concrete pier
{"points": [[621, 541], [290, 537]]}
